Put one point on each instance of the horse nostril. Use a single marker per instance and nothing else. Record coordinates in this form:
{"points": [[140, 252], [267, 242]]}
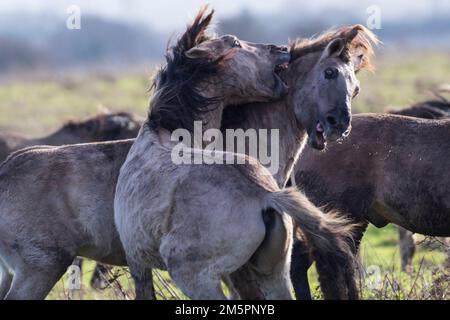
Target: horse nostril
{"points": [[346, 133], [331, 120]]}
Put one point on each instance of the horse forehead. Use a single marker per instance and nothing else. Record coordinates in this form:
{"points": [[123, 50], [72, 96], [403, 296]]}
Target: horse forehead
{"points": [[228, 37], [335, 62], [219, 43]]}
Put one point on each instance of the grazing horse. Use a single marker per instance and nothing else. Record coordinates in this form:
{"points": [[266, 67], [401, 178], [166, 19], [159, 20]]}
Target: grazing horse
{"points": [[203, 221], [392, 169], [322, 81], [432, 109], [68, 211], [103, 127]]}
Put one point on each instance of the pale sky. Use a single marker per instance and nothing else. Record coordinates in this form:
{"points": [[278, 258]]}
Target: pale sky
{"points": [[169, 14]]}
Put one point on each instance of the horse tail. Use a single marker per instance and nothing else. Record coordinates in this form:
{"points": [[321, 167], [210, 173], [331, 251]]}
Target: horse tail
{"points": [[329, 236]]}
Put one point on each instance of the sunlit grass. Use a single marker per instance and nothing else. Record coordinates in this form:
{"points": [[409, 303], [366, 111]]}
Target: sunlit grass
{"points": [[40, 107], [399, 81], [379, 251]]}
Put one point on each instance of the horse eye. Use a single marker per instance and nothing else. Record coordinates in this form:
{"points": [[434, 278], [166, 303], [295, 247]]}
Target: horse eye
{"points": [[331, 73], [237, 44]]}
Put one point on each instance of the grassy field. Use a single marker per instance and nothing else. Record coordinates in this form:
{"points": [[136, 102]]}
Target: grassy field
{"points": [[39, 104], [379, 253]]}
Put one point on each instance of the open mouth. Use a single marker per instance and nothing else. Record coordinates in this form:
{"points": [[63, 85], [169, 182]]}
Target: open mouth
{"points": [[317, 138], [281, 67]]}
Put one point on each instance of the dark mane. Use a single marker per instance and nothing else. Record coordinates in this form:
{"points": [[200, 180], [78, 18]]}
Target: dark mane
{"points": [[96, 121], [357, 37], [431, 109], [177, 101]]}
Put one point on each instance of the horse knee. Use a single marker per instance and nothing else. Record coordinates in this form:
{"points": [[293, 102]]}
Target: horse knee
{"points": [[32, 285], [198, 284]]}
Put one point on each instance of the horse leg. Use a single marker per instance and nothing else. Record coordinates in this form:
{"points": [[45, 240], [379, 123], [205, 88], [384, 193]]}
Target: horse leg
{"points": [[34, 284], [198, 269], [5, 279], [197, 284], [196, 278], [253, 285], [355, 245], [332, 283], [300, 263], [234, 294], [407, 248], [143, 281], [245, 287], [447, 252], [99, 280]]}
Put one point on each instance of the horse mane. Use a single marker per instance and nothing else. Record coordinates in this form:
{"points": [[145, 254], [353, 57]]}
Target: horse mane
{"points": [[95, 121], [438, 108], [357, 38], [177, 101]]}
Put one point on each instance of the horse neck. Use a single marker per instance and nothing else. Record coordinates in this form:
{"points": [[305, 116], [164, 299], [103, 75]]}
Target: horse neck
{"points": [[278, 115], [275, 115], [213, 118]]}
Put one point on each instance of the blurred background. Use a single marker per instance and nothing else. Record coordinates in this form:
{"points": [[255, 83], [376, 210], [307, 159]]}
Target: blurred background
{"points": [[50, 74]]}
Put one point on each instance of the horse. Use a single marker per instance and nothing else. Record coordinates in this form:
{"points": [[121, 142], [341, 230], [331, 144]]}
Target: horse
{"points": [[326, 67], [41, 235], [103, 127], [207, 221], [392, 169], [106, 126], [430, 109]]}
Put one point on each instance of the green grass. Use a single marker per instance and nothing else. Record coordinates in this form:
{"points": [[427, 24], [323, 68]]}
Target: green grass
{"points": [[38, 106], [379, 250], [399, 81]]}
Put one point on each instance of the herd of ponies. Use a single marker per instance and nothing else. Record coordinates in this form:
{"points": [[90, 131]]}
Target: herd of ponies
{"points": [[107, 189]]}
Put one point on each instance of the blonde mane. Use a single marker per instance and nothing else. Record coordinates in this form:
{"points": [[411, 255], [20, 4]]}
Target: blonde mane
{"points": [[360, 41]]}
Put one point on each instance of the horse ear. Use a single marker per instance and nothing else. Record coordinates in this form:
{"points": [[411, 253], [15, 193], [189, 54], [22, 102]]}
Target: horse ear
{"points": [[357, 61], [333, 49], [357, 58], [198, 52], [195, 33]]}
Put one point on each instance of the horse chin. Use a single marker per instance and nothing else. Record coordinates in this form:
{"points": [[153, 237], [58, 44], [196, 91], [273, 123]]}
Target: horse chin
{"points": [[316, 140], [333, 135]]}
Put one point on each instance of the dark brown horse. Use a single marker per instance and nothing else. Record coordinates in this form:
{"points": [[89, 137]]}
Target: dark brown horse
{"points": [[431, 109], [392, 169], [103, 127]]}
